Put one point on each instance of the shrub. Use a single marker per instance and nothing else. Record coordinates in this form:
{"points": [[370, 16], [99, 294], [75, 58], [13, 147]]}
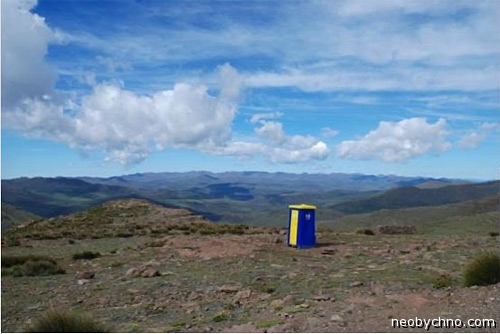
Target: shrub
{"points": [[13, 242], [270, 289], [66, 322], [86, 255], [221, 317], [207, 231], [442, 281], [178, 323], [483, 270], [493, 234], [42, 268], [365, 231], [238, 231], [30, 265], [124, 235], [11, 261]]}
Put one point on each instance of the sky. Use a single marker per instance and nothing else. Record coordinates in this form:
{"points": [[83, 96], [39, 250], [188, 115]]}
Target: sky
{"points": [[113, 87]]}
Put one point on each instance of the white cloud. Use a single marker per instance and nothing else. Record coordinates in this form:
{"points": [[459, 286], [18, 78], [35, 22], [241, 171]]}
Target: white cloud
{"points": [[128, 126], [256, 118], [240, 149], [275, 146], [272, 131], [488, 126], [398, 141], [328, 132], [397, 78], [282, 148], [318, 151], [393, 45], [25, 39], [362, 8], [474, 137]]}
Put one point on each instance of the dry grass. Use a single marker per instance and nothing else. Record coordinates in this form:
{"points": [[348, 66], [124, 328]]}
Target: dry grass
{"points": [[66, 322], [483, 270]]}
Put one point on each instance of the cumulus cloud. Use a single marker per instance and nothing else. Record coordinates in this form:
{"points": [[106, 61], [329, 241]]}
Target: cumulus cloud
{"points": [[290, 155], [474, 137], [282, 148], [275, 146], [129, 126], [398, 141], [25, 40], [272, 131]]}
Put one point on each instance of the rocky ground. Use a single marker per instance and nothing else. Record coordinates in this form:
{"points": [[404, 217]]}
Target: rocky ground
{"points": [[252, 282]]}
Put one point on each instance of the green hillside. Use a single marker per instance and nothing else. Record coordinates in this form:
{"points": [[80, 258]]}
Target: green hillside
{"points": [[12, 215], [475, 217], [407, 197]]}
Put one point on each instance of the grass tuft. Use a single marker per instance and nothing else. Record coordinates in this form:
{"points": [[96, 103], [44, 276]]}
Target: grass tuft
{"points": [[365, 231], [66, 322], [442, 281], [221, 317], [483, 270], [87, 255]]}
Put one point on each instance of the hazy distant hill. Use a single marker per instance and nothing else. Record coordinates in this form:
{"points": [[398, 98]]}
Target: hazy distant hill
{"points": [[257, 198], [54, 196], [264, 181], [407, 197]]}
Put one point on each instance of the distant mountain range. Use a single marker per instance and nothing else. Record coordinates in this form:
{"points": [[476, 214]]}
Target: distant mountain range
{"points": [[277, 181], [258, 198]]}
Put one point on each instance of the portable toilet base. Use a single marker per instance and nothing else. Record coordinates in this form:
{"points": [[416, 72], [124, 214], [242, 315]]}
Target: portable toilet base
{"points": [[301, 226]]}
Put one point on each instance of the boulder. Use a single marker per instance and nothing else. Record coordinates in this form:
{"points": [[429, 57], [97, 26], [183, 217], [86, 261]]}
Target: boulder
{"points": [[86, 275], [229, 288], [150, 272]]}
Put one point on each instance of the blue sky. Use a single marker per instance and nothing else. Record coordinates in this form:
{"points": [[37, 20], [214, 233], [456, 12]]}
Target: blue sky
{"points": [[104, 88]]}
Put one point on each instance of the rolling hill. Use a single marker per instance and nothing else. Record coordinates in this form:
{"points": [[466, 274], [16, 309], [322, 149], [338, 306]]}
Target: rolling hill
{"points": [[407, 197], [12, 216], [470, 217], [49, 197], [254, 198]]}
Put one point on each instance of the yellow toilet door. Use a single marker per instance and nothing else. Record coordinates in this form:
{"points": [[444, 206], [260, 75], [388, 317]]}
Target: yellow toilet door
{"points": [[294, 224]]}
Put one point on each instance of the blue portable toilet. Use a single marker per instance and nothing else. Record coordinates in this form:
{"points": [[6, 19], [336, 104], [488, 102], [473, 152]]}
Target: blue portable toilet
{"points": [[301, 225]]}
